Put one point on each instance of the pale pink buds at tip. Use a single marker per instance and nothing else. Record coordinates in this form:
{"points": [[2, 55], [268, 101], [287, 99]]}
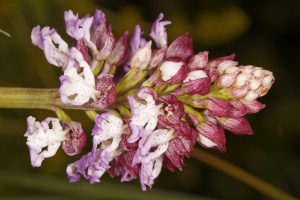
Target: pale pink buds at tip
{"points": [[142, 57]]}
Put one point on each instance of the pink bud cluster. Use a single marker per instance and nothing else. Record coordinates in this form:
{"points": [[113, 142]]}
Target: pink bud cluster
{"points": [[186, 99]]}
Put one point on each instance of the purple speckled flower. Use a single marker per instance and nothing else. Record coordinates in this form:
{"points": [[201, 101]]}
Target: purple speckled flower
{"points": [[75, 27], [72, 83], [143, 117], [39, 135], [44, 39], [158, 31], [98, 19], [107, 126], [135, 41]]}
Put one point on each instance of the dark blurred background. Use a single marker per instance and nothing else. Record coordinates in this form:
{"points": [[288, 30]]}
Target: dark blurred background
{"points": [[261, 33]]}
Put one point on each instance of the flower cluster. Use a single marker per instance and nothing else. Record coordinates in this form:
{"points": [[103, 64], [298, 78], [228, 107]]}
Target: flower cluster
{"points": [[151, 117]]}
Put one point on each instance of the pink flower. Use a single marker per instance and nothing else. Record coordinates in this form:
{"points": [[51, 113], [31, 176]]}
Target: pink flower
{"points": [[120, 53], [77, 139], [171, 111], [107, 96], [173, 70]]}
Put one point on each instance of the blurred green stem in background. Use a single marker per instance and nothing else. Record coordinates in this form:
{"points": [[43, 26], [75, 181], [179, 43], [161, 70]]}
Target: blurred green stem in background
{"points": [[85, 190], [238, 173], [5, 33]]}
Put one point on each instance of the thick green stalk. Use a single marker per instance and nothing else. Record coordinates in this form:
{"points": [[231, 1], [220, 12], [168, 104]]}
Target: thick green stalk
{"points": [[35, 99]]}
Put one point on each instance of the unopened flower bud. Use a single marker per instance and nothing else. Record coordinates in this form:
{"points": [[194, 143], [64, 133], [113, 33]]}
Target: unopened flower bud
{"points": [[239, 109], [253, 106], [77, 139], [228, 64], [179, 47], [226, 80], [142, 57], [242, 80], [173, 70], [196, 82], [120, 53], [218, 107], [215, 62], [212, 72], [104, 40], [252, 95], [238, 92], [211, 136], [199, 60], [157, 56], [190, 50], [239, 126]]}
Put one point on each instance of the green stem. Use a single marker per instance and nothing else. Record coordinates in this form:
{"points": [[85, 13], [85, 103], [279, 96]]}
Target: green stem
{"points": [[190, 110], [35, 99], [236, 172]]}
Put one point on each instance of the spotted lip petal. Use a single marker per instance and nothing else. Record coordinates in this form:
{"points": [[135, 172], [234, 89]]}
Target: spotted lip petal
{"points": [[158, 31], [73, 84], [179, 47], [107, 126], [142, 115], [44, 39], [107, 96], [77, 139], [39, 135]]}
